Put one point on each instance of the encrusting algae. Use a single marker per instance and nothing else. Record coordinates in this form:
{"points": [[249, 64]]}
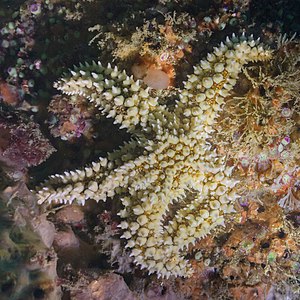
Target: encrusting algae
{"points": [[169, 161]]}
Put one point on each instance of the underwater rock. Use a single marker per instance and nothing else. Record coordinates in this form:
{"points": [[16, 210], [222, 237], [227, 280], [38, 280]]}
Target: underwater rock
{"points": [[110, 287], [66, 240], [45, 229], [71, 214], [27, 264]]}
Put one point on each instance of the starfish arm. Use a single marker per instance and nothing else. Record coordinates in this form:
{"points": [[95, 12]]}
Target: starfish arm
{"points": [[158, 247], [116, 94], [89, 182], [214, 198], [77, 185], [159, 184], [95, 182], [205, 91], [150, 246], [127, 152]]}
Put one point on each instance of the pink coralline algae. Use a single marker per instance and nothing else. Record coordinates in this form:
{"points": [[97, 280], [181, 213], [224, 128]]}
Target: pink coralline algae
{"points": [[70, 118], [22, 144]]}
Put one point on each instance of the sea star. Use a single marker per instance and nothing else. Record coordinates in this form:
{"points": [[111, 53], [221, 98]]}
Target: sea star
{"points": [[174, 187]]}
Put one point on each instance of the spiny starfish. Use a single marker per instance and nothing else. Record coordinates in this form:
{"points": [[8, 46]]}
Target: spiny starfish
{"points": [[169, 163]]}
